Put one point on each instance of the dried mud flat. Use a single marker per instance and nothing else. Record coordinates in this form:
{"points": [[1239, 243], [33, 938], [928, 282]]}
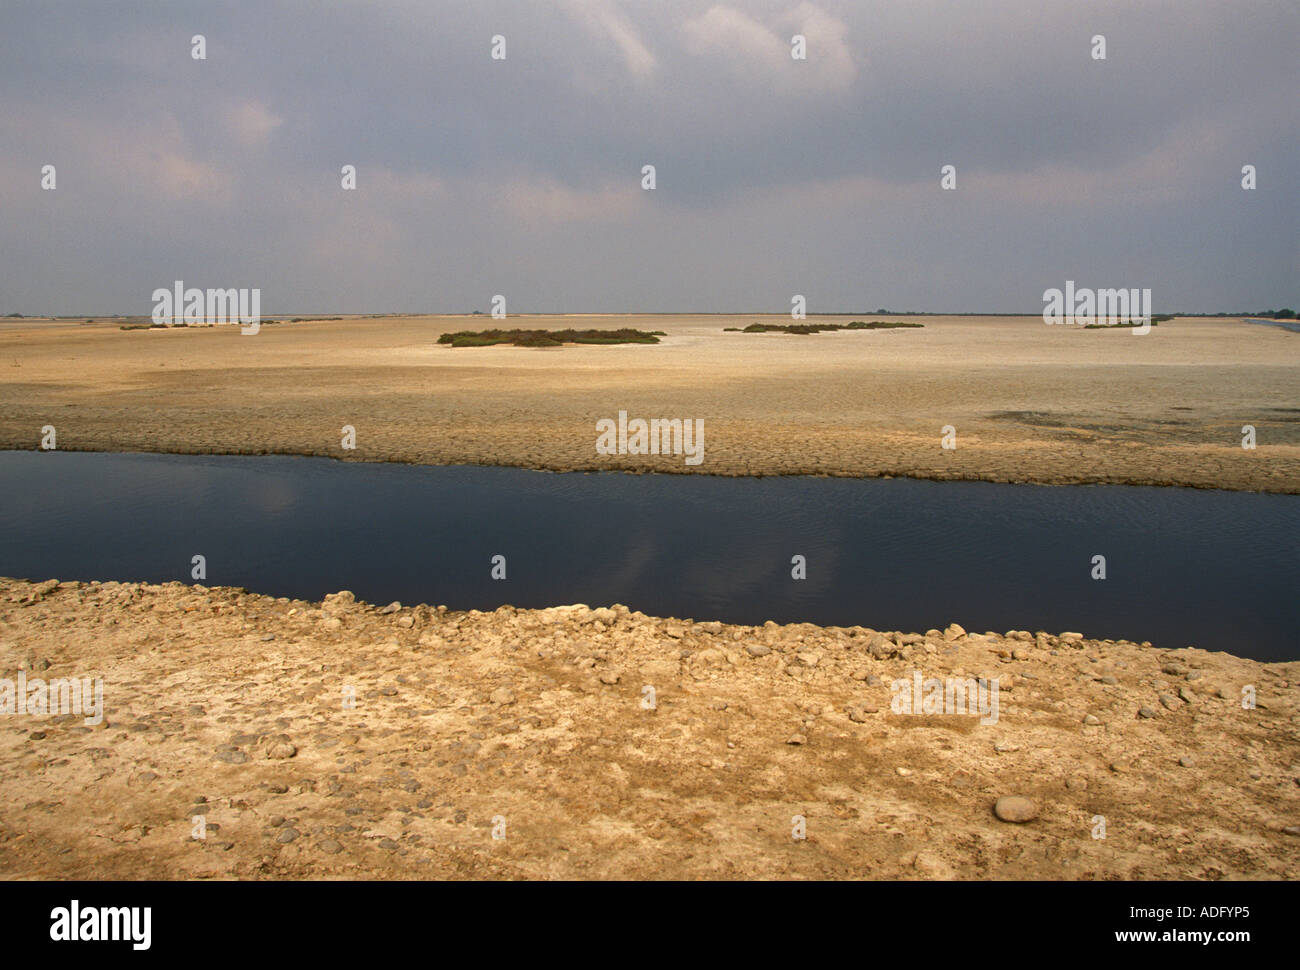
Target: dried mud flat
{"points": [[229, 705], [1029, 402]]}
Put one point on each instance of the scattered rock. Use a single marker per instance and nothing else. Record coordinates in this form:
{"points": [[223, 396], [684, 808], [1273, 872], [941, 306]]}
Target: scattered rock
{"points": [[758, 650], [1015, 808], [1147, 712], [860, 712], [286, 835], [502, 696]]}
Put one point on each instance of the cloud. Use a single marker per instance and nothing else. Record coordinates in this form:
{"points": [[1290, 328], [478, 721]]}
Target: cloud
{"points": [[251, 123], [602, 19], [751, 51]]}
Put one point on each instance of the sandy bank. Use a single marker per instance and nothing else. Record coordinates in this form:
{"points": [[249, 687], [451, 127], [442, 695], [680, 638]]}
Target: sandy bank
{"points": [[230, 706], [1028, 402]]}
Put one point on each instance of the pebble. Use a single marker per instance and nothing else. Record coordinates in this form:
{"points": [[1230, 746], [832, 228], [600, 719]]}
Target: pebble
{"points": [[1091, 719], [1147, 711], [329, 847], [1186, 762], [610, 677], [796, 739], [904, 772], [758, 650], [860, 711], [231, 756], [502, 696], [277, 821], [392, 607], [286, 836], [1169, 701], [1015, 808], [1292, 830]]}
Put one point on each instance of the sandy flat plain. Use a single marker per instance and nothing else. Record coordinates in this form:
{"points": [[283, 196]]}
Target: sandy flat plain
{"points": [[1029, 402], [228, 707]]}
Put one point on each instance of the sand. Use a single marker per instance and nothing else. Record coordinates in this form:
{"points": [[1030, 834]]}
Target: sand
{"points": [[1029, 402], [530, 724]]}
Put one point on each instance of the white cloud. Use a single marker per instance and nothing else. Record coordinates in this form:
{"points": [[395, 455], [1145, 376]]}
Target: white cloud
{"points": [[604, 20], [251, 123], [753, 51]]}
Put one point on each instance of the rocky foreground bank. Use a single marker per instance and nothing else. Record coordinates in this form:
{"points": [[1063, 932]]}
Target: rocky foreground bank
{"points": [[227, 714]]}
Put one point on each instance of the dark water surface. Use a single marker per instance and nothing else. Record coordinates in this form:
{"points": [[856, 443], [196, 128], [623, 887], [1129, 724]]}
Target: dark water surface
{"points": [[1212, 569]]}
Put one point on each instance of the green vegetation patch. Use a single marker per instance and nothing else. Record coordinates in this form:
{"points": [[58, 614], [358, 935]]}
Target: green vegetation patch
{"points": [[549, 338], [818, 327], [1155, 322]]}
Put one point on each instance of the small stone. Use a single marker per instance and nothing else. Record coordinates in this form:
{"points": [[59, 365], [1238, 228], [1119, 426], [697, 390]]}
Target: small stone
{"points": [[268, 637], [276, 821], [861, 711], [610, 677], [1109, 680], [277, 788], [1292, 830], [36, 736], [231, 756], [796, 739], [502, 696], [1186, 695], [392, 607], [1091, 719], [388, 844], [1195, 674], [1015, 808], [1186, 761], [1119, 767], [1019, 654], [1147, 712], [1003, 747], [903, 772], [758, 650], [329, 847], [1169, 701], [954, 631], [1173, 670], [1077, 784], [281, 750], [286, 835]]}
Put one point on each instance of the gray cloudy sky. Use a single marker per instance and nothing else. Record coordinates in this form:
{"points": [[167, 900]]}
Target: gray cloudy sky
{"points": [[775, 176]]}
